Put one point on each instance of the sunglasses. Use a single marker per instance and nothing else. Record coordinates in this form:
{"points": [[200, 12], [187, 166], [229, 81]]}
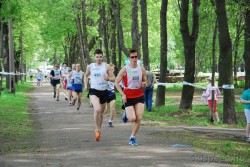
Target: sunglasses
{"points": [[134, 57], [56, 66]]}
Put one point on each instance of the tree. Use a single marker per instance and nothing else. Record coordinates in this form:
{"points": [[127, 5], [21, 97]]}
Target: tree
{"points": [[11, 57], [189, 42], [247, 43], [160, 95], [116, 11], [144, 32], [135, 28], [226, 73]]}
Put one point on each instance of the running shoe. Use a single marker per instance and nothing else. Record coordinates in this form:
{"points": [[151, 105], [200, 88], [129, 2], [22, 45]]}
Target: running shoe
{"points": [[111, 125], [54, 94], [57, 99], [132, 141], [97, 135], [66, 98], [77, 110], [124, 117]]}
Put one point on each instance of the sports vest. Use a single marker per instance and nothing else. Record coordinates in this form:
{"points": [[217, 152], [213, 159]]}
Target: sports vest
{"points": [[96, 77]]}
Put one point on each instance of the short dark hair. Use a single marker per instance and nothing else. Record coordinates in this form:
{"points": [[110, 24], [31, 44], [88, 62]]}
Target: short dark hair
{"points": [[56, 64], [131, 51], [65, 63], [98, 51]]}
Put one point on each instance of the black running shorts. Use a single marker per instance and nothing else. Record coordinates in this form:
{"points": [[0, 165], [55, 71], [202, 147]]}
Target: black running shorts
{"points": [[134, 101], [101, 94]]}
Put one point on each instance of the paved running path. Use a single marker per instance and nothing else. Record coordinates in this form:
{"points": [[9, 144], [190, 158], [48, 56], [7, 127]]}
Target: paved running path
{"points": [[66, 139]]}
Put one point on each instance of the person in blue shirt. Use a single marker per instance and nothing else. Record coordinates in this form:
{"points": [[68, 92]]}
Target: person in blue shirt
{"points": [[245, 99]]}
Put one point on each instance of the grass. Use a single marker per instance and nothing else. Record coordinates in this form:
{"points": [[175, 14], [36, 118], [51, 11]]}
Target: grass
{"points": [[228, 148], [16, 125]]}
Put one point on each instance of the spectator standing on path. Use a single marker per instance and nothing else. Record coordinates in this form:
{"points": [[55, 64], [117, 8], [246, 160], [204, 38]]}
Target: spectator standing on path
{"points": [[55, 76], [208, 95], [111, 99], [77, 83], [134, 79], [245, 99], [149, 90], [99, 74]]}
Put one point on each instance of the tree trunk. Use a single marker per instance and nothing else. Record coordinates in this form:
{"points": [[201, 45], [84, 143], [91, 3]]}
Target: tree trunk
{"points": [[85, 34], [119, 26], [21, 55], [239, 30], [55, 58], [113, 42], [144, 28], [11, 57], [80, 39], [160, 94], [6, 52], [229, 115], [134, 29], [1, 54], [100, 21], [247, 45], [189, 42], [105, 34]]}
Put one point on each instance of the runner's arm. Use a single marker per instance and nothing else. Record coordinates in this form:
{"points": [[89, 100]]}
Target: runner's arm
{"points": [[144, 78], [86, 77]]}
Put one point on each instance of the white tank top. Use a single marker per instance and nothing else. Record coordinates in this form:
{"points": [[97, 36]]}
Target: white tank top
{"points": [[65, 71], [69, 81], [96, 77], [77, 76], [111, 86], [134, 77], [56, 74], [39, 75]]}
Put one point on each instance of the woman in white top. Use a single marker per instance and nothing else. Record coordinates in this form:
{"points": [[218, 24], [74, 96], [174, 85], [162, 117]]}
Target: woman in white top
{"points": [[208, 95]]}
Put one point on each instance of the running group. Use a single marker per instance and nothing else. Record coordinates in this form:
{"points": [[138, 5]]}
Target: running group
{"points": [[100, 82]]}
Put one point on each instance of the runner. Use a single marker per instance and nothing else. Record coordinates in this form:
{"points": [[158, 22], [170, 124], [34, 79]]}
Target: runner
{"points": [[55, 76], [65, 73], [134, 79], [73, 67], [100, 73], [69, 87], [77, 80], [39, 77], [111, 99]]}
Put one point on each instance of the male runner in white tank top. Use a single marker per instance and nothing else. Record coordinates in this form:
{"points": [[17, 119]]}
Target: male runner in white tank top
{"points": [[99, 73], [134, 79]]}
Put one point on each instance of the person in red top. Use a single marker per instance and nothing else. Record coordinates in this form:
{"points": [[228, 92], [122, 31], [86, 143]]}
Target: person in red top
{"points": [[134, 79]]}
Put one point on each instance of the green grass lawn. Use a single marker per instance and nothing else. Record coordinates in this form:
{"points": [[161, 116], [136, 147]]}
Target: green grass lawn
{"points": [[15, 123]]}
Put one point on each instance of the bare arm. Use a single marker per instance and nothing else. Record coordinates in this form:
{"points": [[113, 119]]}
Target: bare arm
{"points": [[244, 101], [144, 78], [86, 77], [117, 85]]}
